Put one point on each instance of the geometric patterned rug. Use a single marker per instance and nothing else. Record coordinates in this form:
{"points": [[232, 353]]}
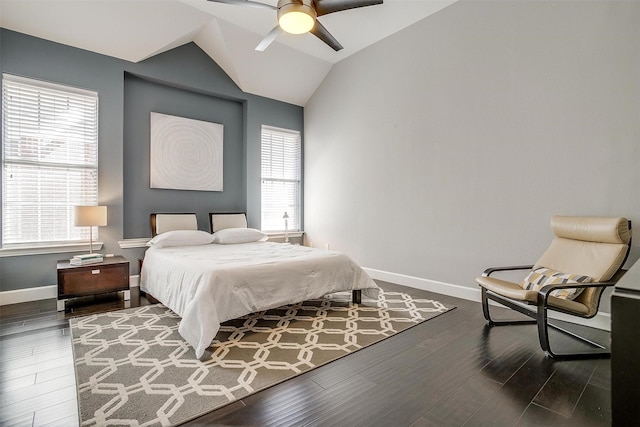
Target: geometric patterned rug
{"points": [[133, 368]]}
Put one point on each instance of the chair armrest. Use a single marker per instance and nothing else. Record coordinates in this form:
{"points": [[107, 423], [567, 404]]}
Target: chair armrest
{"points": [[547, 289], [489, 271]]}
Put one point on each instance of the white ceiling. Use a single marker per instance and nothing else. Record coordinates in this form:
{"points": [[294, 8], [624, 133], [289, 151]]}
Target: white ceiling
{"points": [[289, 70]]}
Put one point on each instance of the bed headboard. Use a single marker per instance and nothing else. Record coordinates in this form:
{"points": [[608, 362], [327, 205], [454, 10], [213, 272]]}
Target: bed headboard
{"points": [[222, 220], [163, 222]]}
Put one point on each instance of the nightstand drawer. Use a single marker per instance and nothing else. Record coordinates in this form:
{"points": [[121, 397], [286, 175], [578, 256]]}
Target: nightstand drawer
{"points": [[108, 276]]}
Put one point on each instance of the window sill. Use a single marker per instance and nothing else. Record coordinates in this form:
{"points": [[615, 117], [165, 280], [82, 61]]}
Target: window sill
{"points": [[47, 248], [134, 243], [280, 234]]}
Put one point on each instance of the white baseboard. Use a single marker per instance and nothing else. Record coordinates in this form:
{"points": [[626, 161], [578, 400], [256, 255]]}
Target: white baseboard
{"points": [[43, 292], [29, 294], [600, 321]]}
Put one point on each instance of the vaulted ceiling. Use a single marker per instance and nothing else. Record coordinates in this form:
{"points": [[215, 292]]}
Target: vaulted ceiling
{"points": [[290, 69]]}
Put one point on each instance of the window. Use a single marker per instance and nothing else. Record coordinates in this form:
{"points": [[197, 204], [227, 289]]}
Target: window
{"points": [[49, 160], [281, 158]]}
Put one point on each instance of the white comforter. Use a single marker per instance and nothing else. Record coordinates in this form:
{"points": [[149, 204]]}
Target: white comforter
{"points": [[209, 284]]}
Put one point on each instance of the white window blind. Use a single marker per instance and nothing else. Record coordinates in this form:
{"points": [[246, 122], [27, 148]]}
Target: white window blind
{"points": [[49, 159], [281, 165]]}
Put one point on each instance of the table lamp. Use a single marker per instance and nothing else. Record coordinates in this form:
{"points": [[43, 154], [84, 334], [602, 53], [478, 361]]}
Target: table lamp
{"points": [[90, 216]]}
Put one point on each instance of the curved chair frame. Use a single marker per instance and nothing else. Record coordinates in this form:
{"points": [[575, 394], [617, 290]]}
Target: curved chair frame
{"points": [[539, 315]]}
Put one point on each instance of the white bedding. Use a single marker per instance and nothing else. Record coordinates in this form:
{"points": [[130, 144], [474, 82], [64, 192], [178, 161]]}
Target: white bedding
{"points": [[209, 284]]}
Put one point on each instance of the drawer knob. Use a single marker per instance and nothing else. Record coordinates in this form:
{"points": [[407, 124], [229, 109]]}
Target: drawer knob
{"points": [[95, 271]]}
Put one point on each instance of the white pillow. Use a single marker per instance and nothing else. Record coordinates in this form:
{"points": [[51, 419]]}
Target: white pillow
{"points": [[181, 238], [229, 236]]}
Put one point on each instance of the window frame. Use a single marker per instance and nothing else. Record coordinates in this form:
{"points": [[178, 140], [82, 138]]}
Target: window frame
{"points": [[75, 239], [294, 211]]}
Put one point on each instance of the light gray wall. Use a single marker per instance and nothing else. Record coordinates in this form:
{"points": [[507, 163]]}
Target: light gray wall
{"points": [[446, 148], [188, 73]]}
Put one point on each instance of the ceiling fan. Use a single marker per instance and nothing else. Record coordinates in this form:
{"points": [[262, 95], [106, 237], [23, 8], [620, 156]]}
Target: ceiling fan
{"points": [[301, 16]]}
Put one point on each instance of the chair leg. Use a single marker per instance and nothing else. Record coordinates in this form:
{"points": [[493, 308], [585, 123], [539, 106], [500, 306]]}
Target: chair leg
{"points": [[543, 336], [485, 307], [540, 318], [487, 315]]}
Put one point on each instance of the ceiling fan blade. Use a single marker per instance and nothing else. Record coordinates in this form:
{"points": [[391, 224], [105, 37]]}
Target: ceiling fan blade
{"points": [[246, 3], [268, 39], [321, 32], [324, 7]]}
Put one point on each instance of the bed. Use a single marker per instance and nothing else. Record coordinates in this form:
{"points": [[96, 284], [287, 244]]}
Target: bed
{"points": [[209, 278]]}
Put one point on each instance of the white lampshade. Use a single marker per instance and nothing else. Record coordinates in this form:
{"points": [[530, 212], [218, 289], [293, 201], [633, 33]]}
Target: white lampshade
{"points": [[87, 216], [90, 216], [296, 18]]}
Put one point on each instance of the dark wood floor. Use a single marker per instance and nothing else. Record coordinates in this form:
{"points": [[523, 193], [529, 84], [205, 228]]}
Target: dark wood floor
{"points": [[449, 371]]}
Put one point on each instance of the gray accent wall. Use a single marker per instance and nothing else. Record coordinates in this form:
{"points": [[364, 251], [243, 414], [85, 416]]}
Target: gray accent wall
{"points": [[446, 148], [127, 91], [143, 97]]}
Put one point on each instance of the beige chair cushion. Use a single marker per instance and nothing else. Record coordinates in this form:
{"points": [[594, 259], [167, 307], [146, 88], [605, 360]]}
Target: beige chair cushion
{"points": [[515, 292], [592, 229], [594, 247], [588, 246]]}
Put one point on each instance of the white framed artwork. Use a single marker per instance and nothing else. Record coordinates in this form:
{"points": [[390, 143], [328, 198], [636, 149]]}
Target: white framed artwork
{"points": [[185, 154]]}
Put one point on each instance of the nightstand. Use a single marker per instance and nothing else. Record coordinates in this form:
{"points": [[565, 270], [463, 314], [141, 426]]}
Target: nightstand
{"points": [[110, 275]]}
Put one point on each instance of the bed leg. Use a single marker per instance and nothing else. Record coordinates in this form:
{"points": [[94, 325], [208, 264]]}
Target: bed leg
{"points": [[149, 297], [357, 296]]}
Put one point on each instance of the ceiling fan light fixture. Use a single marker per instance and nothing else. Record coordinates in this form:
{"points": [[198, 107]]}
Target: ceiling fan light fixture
{"points": [[296, 17]]}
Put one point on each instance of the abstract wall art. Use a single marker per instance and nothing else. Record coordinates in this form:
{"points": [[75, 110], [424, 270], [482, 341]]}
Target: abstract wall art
{"points": [[186, 154]]}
